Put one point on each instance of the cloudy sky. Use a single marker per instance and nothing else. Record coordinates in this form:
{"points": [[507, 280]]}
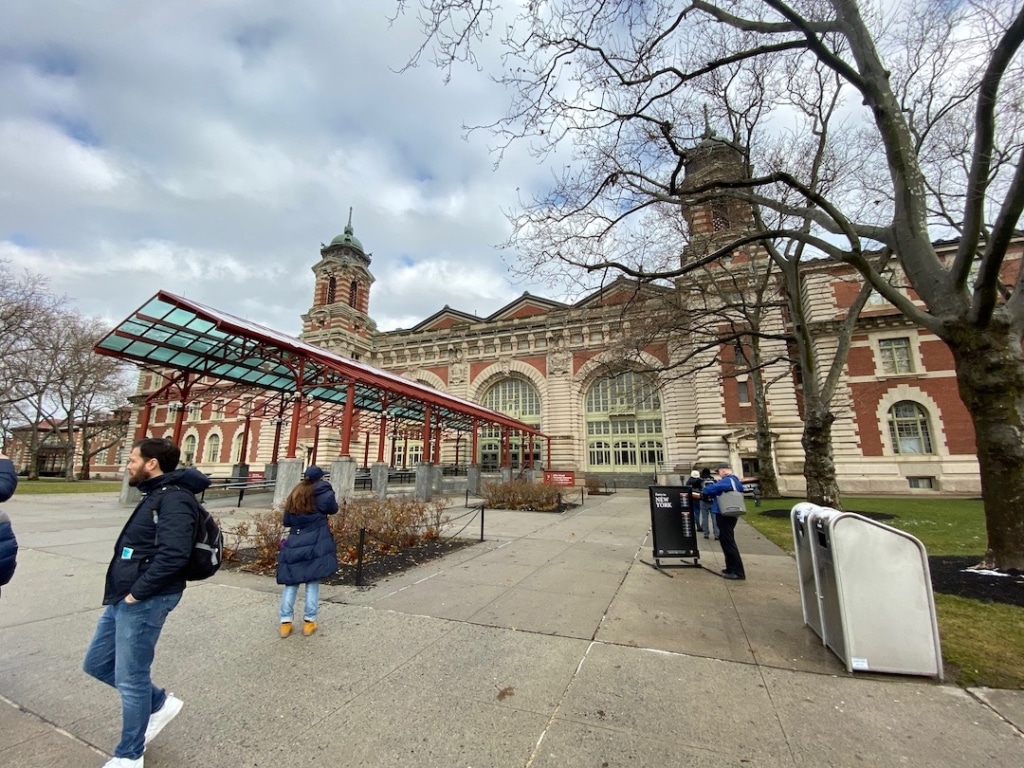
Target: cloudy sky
{"points": [[208, 147]]}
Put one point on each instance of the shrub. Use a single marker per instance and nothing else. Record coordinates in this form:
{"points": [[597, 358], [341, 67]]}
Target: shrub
{"points": [[519, 494], [392, 524]]}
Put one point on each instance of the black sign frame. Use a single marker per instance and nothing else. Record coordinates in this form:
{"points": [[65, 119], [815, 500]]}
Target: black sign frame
{"points": [[673, 527]]}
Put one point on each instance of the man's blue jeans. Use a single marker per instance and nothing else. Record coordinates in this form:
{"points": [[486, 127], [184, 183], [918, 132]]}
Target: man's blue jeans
{"points": [[121, 654], [705, 513]]}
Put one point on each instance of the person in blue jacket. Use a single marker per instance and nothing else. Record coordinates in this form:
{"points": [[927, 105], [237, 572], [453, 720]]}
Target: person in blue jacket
{"points": [[727, 481], [144, 583], [309, 553], [8, 541]]}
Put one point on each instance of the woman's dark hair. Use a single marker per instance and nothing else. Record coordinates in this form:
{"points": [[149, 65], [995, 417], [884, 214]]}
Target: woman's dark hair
{"points": [[705, 473], [302, 499], [166, 453]]}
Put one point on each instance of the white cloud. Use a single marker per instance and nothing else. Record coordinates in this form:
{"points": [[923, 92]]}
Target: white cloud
{"points": [[209, 148]]}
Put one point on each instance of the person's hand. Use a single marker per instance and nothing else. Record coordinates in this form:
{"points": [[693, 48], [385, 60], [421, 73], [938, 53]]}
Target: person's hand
{"points": [[130, 599]]}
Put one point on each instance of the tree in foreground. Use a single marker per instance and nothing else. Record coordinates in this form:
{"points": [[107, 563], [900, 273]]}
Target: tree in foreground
{"points": [[926, 143]]}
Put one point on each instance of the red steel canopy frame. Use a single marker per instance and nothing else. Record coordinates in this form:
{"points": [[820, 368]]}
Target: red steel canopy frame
{"points": [[206, 355]]}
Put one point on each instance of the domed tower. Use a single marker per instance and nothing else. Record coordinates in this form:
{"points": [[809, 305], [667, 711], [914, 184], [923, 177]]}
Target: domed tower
{"points": [[717, 218], [339, 319]]}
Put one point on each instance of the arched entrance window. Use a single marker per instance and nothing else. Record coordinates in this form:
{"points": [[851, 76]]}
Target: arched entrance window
{"points": [[213, 448], [624, 425], [188, 450], [519, 399], [908, 428]]}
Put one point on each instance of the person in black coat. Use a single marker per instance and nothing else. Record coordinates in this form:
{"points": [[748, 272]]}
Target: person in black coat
{"points": [[309, 553], [144, 583], [8, 541]]}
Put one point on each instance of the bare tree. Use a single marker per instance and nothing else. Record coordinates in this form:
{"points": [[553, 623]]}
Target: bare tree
{"points": [[931, 96], [27, 309]]}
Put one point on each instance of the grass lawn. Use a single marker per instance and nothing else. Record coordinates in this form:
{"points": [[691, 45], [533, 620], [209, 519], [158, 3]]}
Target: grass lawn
{"points": [[982, 643], [59, 485]]}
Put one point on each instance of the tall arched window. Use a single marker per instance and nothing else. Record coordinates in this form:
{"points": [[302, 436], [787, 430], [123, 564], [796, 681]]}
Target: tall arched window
{"points": [[624, 424], [908, 428], [213, 448], [236, 449], [353, 294], [332, 289], [188, 449], [519, 399]]}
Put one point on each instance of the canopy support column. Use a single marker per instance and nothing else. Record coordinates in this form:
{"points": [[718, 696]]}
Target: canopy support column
{"points": [[427, 419], [293, 433], [346, 421]]}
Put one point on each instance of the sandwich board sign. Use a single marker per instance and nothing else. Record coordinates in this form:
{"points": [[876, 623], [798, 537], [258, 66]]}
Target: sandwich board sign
{"points": [[673, 527]]}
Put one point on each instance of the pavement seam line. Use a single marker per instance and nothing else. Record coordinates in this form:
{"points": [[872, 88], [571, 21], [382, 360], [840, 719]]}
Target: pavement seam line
{"points": [[558, 706], [57, 728]]}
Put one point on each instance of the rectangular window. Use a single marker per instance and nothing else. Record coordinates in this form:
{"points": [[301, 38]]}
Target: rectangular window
{"points": [[744, 391], [927, 483], [541, 343], [506, 346], [596, 336], [576, 338], [895, 355]]}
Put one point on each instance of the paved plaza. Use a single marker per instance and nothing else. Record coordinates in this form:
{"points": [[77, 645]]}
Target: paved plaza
{"points": [[552, 643]]}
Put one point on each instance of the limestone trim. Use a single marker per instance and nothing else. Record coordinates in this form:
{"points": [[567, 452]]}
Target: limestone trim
{"points": [[504, 369], [935, 422], [426, 377]]}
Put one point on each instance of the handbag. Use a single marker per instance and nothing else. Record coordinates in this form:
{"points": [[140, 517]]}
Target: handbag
{"points": [[732, 504]]}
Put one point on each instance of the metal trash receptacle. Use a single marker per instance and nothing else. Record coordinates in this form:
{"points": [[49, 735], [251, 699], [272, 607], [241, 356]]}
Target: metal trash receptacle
{"points": [[802, 539], [826, 584], [886, 604]]}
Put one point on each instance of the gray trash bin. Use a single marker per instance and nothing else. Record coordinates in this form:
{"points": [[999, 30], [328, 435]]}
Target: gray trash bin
{"points": [[802, 539], [886, 604], [866, 591], [825, 582]]}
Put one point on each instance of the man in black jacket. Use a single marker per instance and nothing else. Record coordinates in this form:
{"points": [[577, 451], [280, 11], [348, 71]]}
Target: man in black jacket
{"points": [[144, 583]]}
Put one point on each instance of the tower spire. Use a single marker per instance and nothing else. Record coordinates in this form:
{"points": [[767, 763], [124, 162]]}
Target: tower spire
{"points": [[349, 225]]}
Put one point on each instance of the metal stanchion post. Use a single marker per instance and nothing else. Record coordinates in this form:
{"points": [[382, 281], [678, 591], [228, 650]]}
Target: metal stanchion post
{"points": [[359, 558], [481, 522]]}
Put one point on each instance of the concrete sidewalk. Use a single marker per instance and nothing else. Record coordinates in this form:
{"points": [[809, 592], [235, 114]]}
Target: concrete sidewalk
{"points": [[552, 643]]}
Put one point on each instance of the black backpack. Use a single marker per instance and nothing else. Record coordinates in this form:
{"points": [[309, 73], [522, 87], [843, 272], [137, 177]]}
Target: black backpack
{"points": [[207, 541]]}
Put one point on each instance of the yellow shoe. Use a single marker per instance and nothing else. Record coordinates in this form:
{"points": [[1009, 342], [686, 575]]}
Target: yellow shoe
{"points": [[286, 628], [308, 628]]}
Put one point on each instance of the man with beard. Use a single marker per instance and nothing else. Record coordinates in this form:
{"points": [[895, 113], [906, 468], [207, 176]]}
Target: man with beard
{"points": [[144, 583]]}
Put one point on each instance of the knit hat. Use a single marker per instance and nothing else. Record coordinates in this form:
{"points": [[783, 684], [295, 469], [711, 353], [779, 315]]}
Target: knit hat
{"points": [[313, 473], [695, 474]]}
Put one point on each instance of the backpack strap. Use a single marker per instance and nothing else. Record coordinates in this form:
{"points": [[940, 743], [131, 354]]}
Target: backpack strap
{"points": [[155, 509]]}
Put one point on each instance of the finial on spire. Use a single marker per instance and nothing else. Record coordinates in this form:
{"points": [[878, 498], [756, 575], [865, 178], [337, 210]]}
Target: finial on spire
{"points": [[350, 215], [708, 133]]}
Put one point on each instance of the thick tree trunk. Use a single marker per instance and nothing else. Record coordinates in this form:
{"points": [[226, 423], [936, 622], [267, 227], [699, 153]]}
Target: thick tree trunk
{"points": [[990, 376], [819, 464]]}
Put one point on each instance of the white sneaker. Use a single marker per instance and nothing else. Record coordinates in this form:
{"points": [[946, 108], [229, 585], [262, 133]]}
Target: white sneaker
{"points": [[123, 762], [160, 718]]}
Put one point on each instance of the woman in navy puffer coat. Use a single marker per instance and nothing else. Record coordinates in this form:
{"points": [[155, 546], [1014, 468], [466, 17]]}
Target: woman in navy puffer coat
{"points": [[309, 554], [8, 543]]}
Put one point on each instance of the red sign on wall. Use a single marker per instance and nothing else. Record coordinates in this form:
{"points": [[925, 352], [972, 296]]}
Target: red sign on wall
{"points": [[560, 478]]}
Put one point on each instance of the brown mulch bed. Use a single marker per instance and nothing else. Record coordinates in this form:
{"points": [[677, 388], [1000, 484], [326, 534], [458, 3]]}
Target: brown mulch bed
{"points": [[379, 567]]}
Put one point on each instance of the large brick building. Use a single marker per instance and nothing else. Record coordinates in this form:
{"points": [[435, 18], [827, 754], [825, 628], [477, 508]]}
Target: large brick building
{"points": [[901, 425]]}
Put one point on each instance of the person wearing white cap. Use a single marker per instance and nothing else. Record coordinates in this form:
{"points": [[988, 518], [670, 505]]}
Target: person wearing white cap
{"points": [[727, 481]]}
